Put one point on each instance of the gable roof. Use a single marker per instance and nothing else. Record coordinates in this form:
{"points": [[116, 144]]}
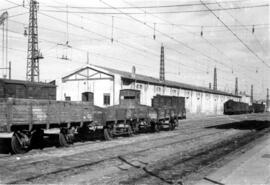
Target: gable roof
{"points": [[156, 81]]}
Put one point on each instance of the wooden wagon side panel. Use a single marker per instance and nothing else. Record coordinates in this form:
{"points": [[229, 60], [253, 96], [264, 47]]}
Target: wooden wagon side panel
{"points": [[3, 116], [21, 113]]}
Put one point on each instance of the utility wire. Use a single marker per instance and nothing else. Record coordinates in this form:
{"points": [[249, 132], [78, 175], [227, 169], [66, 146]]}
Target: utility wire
{"points": [[160, 12], [243, 27], [103, 36], [173, 60], [236, 36], [165, 34], [139, 7], [208, 42]]}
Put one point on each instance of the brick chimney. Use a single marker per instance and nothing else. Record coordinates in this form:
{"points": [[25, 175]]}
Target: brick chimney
{"points": [[162, 67]]}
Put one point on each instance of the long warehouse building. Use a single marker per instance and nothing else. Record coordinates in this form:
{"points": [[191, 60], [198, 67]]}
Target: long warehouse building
{"points": [[106, 83]]}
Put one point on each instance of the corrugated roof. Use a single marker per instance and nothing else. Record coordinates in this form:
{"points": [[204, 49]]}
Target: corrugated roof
{"points": [[152, 80]]}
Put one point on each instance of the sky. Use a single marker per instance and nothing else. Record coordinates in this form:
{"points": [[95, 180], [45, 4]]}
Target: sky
{"points": [[195, 39]]}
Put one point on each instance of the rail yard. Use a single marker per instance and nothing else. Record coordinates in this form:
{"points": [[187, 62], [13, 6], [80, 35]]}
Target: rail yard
{"points": [[134, 92], [185, 155]]}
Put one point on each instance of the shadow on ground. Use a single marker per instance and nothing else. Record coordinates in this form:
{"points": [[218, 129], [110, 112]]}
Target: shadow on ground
{"points": [[244, 125]]}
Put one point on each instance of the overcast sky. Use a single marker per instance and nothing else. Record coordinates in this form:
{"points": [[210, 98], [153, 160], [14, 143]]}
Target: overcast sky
{"points": [[189, 57]]}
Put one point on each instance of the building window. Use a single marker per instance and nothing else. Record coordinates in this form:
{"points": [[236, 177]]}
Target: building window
{"points": [[106, 99], [157, 89], [173, 92], [139, 86]]}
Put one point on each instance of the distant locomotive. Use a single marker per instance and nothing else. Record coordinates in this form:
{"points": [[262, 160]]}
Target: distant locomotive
{"points": [[26, 117], [258, 107], [233, 107]]}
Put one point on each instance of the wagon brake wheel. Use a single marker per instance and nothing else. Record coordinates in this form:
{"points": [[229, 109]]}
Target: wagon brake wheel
{"points": [[20, 143]]}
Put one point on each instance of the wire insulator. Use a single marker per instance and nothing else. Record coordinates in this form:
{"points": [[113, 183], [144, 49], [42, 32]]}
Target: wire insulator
{"points": [[154, 35]]}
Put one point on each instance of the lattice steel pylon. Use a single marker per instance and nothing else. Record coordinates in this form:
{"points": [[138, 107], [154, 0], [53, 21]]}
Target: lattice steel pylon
{"points": [[33, 53]]}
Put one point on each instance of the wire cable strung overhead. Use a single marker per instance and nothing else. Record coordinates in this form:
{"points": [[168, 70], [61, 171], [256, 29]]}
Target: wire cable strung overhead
{"points": [[165, 34], [157, 55], [144, 7], [243, 26], [182, 63], [111, 37], [204, 39], [236, 36], [159, 12]]}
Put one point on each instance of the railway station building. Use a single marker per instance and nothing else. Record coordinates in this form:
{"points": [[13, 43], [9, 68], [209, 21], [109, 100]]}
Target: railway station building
{"points": [[105, 83]]}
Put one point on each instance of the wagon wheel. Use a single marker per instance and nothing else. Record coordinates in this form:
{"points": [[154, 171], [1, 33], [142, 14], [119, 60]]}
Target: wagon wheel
{"points": [[107, 134], [20, 143], [65, 137]]}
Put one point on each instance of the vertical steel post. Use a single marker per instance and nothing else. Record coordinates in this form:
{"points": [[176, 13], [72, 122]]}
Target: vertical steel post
{"points": [[251, 94], [9, 70], [267, 100]]}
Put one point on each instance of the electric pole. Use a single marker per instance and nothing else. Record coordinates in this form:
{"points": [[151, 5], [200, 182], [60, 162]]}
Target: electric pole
{"points": [[236, 86], [215, 79], [251, 94], [267, 100], [33, 53]]}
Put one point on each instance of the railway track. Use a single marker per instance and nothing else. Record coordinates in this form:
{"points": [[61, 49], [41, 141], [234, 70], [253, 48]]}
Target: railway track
{"points": [[71, 162], [177, 171], [44, 167], [84, 160]]}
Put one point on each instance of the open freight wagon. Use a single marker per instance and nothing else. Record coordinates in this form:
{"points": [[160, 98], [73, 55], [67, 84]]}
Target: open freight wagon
{"points": [[169, 109], [29, 113], [27, 121]]}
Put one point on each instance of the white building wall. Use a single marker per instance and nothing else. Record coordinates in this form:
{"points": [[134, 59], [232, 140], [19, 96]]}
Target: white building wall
{"points": [[74, 90], [196, 102]]}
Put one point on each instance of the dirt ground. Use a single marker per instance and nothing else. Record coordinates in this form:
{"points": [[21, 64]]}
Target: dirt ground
{"points": [[167, 157]]}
